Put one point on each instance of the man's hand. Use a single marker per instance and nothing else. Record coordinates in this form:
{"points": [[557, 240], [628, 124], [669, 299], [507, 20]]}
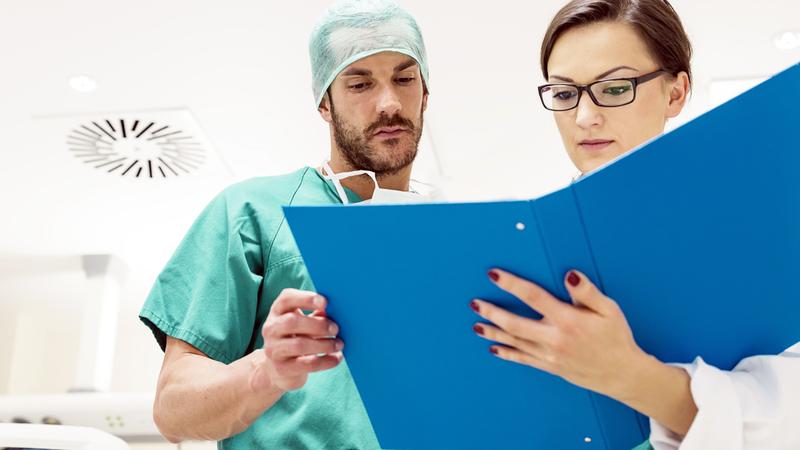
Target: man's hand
{"points": [[296, 344], [200, 398]]}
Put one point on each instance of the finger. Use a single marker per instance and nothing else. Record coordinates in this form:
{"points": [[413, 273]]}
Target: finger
{"points": [[514, 355], [530, 293], [290, 300], [312, 363], [519, 326], [583, 292], [493, 333], [300, 324], [294, 347], [318, 313]]}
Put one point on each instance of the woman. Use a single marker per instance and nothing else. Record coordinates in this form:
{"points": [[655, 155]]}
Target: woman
{"points": [[617, 70]]}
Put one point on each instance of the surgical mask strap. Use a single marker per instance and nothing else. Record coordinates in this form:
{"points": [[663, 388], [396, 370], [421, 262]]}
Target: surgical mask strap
{"points": [[337, 177]]}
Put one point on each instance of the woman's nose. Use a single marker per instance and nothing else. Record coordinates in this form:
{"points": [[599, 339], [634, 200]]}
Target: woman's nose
{"points": [[588, 114]]}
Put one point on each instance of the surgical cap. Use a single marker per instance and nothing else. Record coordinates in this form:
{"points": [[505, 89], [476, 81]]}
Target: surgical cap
{"points": [[354, 29]]}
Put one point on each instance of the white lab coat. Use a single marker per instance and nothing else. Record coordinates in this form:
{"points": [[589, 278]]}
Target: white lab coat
{"points": [[755, 406]]}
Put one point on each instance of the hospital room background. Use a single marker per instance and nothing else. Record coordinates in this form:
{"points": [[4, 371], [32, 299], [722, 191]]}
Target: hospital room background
{"points": [[229, 84]]}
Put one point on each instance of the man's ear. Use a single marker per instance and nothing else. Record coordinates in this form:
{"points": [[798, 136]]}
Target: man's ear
{"points": [[424, 97], [324, 108]]}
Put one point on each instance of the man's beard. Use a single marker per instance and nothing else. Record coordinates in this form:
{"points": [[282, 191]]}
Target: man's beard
{"points": [[362, 156]]}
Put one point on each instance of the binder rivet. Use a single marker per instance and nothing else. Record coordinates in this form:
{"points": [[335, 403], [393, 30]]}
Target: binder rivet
{"points": [[587, 439], [520, 226]]}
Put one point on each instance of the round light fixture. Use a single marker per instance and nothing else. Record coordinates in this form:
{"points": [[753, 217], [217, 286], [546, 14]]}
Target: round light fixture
{"points": [[82, 83], [788, 40]]}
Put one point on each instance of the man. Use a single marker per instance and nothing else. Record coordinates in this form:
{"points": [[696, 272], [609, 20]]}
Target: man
{"points": [[243, 364]]}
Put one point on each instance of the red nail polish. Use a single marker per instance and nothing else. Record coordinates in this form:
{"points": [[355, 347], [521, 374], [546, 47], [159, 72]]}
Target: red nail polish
{"points": [[478, 329], [573, 279], [494, 275], [493, 350], [474, 305]]}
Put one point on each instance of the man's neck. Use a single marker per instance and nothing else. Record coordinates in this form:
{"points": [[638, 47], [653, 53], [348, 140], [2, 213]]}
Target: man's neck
{"points": [[362, 185]]}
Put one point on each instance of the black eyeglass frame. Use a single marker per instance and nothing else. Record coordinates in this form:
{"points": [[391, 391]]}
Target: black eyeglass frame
{"points": [[635, 81]]}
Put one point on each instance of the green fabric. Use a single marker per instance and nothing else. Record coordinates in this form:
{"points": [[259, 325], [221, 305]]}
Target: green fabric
{"points": [[354, 29], [217, 289], [644, 446]]}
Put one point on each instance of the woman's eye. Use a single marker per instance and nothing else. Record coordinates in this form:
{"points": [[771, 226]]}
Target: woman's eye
{"points": [[564, 95], [616, 90]]}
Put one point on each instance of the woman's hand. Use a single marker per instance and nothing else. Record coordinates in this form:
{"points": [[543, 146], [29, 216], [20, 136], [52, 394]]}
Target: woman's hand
{"points": [[588, 343]]}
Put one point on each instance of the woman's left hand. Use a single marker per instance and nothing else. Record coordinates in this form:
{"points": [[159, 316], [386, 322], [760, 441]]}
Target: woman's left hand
{"points": [[588, 343]]}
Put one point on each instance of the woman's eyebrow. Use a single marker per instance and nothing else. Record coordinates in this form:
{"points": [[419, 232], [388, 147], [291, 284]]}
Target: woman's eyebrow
{"points": [[609, 72], [602, 75]]}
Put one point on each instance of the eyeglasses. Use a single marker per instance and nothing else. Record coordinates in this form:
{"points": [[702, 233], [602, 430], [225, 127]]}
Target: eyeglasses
{"points": [[607, 93]]}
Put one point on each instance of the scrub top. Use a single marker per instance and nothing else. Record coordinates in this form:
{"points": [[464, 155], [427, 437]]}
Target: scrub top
{"points": [[217, 289]]}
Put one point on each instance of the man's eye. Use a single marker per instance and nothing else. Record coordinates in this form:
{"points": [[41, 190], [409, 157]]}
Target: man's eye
{"points": [[405, 80], [358, 86]]}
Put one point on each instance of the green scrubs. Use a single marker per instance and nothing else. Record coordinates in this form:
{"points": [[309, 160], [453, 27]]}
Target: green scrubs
{"points": [[217, 289]]}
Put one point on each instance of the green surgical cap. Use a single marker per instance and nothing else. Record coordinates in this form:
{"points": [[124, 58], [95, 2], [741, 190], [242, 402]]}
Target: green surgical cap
{"points": [[354, 29]]}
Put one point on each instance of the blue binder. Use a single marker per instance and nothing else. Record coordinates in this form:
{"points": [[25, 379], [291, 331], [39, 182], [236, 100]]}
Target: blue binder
{"points": [[696, 235]]}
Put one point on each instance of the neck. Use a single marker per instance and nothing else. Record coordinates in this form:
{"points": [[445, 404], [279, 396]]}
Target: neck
{"points": [[362, 185]]}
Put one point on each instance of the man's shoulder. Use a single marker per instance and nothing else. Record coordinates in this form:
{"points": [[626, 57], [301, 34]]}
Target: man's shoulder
{"points": [[263, 195], [275, 188]]}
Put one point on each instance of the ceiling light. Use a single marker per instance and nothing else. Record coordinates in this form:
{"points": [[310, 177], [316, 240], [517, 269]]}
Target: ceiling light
{"points": [[82, 83], [788, 40]]}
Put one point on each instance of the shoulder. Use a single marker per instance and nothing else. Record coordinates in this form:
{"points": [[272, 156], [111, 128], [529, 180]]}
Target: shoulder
{"points": [[260, 197], [271, 189]]}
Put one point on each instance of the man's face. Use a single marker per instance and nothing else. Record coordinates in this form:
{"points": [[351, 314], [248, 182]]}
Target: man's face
{"points": [[375, 107]]}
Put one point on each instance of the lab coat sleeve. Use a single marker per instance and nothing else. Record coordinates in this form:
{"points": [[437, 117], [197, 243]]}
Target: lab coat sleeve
{"points": [[755, 406]]}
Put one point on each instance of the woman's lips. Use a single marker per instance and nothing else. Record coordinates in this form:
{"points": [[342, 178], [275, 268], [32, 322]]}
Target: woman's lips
{"points": [[594, 145]]}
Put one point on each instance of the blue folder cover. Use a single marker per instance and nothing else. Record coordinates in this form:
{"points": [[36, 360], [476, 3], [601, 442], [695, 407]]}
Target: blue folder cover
{"points": [[696, 235]]}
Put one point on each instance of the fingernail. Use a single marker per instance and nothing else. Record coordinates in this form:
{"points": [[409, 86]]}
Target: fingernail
{"points": [[319, 302], [494, 275], [478, 329], [573, 279], [474, 305], [339, 345], [493, 350], [333, 329]]}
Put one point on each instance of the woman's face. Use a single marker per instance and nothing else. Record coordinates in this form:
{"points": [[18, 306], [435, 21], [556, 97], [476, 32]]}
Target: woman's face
{"points": [[594, 135]]}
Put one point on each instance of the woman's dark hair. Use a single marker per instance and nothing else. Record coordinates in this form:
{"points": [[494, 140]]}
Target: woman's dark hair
{"points": [[655, 20]]}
